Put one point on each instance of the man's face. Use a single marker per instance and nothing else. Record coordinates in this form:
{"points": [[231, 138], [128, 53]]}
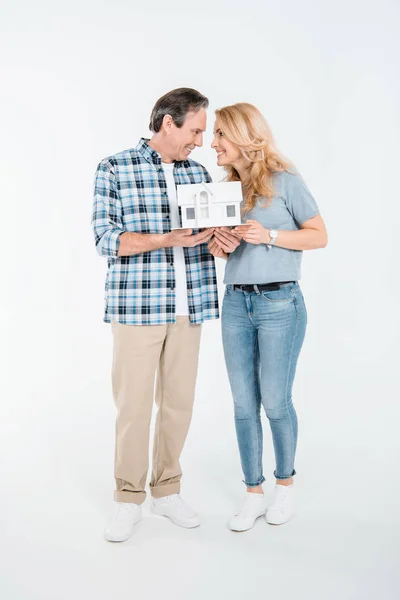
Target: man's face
{"points": [[184, 139]]}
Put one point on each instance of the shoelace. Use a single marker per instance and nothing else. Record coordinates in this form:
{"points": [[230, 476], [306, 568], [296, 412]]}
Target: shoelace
{"points": [[244, 508], [178, 502], [281, 494], [123, 510]]}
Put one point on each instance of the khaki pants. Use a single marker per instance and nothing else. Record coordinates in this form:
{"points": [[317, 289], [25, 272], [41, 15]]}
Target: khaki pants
{"points": [[139, 352]]}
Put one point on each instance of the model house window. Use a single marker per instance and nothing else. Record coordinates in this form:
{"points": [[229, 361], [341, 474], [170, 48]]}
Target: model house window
{"points": [[231, 210], [190, 214]]}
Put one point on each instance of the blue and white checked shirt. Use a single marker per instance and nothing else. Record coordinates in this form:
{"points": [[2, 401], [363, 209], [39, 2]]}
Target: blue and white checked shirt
{"points": [[131, 195]]}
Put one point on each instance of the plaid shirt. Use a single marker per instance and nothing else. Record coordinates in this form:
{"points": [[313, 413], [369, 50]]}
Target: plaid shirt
{"points": [[131, 195]]}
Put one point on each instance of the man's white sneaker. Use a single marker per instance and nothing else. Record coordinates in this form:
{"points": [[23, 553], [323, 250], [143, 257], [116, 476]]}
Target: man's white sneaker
{"points": [[253, 506], [175, 509], [120, 526], [281, 508]]}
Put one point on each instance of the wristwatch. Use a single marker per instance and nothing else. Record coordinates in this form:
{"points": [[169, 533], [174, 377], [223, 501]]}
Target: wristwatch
{"points": [[273, 234]]}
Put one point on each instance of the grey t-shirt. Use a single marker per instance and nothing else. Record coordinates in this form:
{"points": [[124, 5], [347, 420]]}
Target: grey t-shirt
{"points": [[291, 206]]}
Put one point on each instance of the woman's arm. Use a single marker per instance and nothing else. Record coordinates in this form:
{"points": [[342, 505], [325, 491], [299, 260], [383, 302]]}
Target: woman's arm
{"points": [[311, 236]]}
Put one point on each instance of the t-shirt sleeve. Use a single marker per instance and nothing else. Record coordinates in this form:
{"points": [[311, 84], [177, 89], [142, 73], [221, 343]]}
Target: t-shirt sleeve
{"points": [[299, 200]]}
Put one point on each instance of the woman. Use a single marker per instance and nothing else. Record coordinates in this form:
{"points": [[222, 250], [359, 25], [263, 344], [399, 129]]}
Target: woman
{"points": [[263, 315]]}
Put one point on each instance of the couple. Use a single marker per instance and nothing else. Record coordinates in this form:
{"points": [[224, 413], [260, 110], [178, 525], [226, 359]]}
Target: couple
{"points": [[161, 285]]}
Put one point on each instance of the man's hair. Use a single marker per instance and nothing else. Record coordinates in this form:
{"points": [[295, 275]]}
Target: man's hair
{"points": [[177, 104]]}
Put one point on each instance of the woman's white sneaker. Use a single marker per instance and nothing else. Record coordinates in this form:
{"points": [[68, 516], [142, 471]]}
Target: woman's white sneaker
{"points": [[281, 508], [175, 509], [122, 522], [253, 506]]}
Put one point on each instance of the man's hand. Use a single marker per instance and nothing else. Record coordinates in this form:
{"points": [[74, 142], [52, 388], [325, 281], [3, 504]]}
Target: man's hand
{"points": [[226, 239], [184, 237], [253, 232]]}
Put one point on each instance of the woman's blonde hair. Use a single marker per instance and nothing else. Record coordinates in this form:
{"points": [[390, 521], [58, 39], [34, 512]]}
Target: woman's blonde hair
{"points": [[244, 125]]}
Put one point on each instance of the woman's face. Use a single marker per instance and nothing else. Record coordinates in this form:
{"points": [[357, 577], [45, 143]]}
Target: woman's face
{"points": [[227, 152]]}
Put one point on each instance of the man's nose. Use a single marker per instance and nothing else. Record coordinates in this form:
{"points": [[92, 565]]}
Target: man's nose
{"points": [[199, 140]]}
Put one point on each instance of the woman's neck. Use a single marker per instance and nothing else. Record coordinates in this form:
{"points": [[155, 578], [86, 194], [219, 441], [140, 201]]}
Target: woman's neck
{"points": [[242, 170]]}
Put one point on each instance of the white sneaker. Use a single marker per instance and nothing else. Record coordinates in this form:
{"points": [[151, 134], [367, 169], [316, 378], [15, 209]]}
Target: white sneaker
{"points": [[175, 509], [120, 526], [253, 506], [281, 508]]}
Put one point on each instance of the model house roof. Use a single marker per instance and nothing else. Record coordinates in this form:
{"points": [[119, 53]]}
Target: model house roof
{"points": [[224, 192]]}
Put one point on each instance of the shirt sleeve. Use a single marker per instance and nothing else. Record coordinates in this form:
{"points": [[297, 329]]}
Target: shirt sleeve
{"points": [[107, 213], [299, 200], [207, 176]]}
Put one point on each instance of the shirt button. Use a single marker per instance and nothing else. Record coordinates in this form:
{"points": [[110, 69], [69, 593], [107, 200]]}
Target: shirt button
{"points": [[171, 264], [172, 288]]}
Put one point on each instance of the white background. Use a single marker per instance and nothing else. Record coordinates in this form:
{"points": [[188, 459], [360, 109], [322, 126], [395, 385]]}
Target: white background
{"points": [[78, 83]]}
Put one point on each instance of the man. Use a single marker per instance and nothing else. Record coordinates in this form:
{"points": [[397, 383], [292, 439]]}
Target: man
{"points": [[161, 285]]}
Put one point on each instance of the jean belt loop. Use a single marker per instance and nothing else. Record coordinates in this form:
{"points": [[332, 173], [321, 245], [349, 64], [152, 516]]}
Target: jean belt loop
{"points": [[257, 290]]}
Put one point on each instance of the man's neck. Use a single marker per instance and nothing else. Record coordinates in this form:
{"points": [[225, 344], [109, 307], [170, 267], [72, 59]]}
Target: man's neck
{"points": [[157, 145]]}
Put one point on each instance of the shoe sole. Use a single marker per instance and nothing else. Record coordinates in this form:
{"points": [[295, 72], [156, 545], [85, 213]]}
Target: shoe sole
{"points": [[187, 525], [248, 528], [280, 523], [115, 540]]}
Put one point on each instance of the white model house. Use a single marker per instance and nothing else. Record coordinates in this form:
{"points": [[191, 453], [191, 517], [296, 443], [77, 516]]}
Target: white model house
{"points": [[210, 204]]}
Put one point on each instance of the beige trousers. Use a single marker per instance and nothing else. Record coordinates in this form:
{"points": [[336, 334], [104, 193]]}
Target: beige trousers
{"points": [[140, 352]]}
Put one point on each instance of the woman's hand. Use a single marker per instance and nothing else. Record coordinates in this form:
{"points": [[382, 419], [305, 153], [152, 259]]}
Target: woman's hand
{"points": [[216, 250], [253, 232], [227, 240]]}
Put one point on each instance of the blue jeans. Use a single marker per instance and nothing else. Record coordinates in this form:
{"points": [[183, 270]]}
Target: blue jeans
{"points": [[262, 336]]}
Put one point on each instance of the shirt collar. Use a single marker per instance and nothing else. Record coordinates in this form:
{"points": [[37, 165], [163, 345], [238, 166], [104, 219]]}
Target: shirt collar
{"points": [[153, 156], [148, 152]]}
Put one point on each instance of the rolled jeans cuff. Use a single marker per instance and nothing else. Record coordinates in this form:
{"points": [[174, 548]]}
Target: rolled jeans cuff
{"points": [[261, 481], [284, 476]]}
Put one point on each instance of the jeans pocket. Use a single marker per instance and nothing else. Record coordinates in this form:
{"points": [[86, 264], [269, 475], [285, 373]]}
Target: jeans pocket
{"points": [[284, 294]]}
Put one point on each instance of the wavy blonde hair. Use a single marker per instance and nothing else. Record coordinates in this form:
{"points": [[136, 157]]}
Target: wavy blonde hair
{"points": [[244, 125]]}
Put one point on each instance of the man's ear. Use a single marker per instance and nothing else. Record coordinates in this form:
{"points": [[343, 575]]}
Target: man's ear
{"points": [[167, 123]]}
